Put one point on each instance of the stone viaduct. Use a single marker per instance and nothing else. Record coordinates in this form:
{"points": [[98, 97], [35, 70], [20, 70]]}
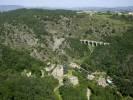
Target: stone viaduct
{"points": [[94, 43]]}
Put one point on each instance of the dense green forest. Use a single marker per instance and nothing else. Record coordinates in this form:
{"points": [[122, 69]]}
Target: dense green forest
{"points": [[14, 86], [32, 38], [116, 59]]}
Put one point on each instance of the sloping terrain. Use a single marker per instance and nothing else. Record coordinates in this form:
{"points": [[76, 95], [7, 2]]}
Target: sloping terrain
{"points": [[36, 43]]}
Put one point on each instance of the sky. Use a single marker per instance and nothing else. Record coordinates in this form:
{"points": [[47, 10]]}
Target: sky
{"points": [[68, 3]]}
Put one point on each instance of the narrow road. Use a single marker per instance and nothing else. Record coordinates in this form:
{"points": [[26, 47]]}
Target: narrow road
{"points": [[57, 92], [88, 93]]}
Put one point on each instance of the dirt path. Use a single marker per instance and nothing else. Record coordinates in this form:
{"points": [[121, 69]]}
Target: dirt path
{"points": [[57, 92], [88, 93]]}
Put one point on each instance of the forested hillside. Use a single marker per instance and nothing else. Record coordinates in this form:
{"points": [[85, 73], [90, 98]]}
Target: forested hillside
{"points": [[42, 58]]}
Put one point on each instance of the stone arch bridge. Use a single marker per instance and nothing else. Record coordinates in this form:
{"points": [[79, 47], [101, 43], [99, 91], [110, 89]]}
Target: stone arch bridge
{"points": [[94, 43]]}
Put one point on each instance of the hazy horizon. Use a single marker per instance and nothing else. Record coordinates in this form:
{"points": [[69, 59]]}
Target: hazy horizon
{"points": [[68, 4]]}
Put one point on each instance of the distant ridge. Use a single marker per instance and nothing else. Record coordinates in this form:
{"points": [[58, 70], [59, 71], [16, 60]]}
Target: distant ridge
{"points": [[9, 7], [4, 8], [112, 9], [99, 9]]}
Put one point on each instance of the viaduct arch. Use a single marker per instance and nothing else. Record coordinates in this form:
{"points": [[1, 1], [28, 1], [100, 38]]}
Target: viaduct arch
{"points": [[94, 43]]}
